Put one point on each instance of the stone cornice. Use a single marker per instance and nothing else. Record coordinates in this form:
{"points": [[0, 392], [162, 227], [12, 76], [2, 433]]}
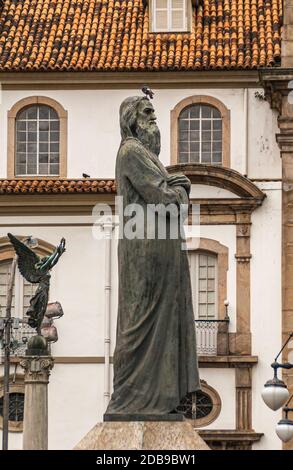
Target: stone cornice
{"points": [[67, 80], [230, 439], [221, 177], [204, 361], [275, 82], [285, 142]]}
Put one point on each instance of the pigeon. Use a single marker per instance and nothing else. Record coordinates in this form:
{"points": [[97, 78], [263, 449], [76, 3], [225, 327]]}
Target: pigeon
{"points": [[84, 175], [147, 91]]}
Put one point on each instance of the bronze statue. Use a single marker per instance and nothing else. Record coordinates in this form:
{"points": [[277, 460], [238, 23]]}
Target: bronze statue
{"points": [[155, 361], [36, 270]]}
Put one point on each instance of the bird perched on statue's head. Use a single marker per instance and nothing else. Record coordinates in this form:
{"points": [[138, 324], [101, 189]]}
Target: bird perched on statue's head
{"points": [[148, 92]]}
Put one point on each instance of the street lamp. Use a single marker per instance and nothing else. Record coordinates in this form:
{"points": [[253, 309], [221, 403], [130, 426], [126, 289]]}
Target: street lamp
{"points": [[284, 428], [275, 392]]}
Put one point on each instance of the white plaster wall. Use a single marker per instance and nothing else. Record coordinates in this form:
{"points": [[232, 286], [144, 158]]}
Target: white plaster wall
{"points": [[75, 403], [93, 134], [77, 282], [266, 308], [263, 152], [205, 191], [223, 381]]}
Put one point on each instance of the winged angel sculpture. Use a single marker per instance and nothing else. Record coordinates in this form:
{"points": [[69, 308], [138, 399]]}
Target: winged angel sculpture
{"points": [[36, 270]]}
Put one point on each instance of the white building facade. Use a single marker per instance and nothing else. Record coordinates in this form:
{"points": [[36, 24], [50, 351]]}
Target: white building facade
{"points": [[217, 128]]}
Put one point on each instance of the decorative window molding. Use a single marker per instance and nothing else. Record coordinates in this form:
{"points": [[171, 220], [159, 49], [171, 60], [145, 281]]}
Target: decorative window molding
{"points": [[7, 252], [203, 100], [16, 386], [170, 15], [11, 142], [206, 245], [206, 403]]}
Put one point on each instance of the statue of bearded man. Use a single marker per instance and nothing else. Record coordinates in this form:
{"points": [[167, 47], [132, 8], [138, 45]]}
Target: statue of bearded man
{"points": [[155, 362]]}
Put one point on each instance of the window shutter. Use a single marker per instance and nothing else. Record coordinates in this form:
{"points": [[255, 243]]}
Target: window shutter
{"points": [[161, 20], [161, 15], [177, 15], [203, 274], [169, 15]]}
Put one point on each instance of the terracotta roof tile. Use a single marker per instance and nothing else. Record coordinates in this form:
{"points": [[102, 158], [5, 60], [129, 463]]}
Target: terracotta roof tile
{"points": [[93, 35], [37, 186]]}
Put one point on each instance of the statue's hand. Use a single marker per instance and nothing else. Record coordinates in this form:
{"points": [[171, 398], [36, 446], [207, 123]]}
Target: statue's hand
{"points": [[61, 247], [179, 180]]}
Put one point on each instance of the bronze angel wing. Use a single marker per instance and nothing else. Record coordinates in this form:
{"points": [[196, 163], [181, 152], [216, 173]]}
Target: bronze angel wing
{"points": [[27, 260]]}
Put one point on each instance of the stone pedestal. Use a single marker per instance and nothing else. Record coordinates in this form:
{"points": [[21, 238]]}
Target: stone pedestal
{"points": [[35, 426], [142, 435]]}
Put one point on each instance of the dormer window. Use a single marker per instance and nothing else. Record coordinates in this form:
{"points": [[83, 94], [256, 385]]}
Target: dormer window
{"points": [[170, 15]]}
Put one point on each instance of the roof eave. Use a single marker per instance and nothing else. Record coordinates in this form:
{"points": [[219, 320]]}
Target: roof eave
{"points": [[127, 79]]}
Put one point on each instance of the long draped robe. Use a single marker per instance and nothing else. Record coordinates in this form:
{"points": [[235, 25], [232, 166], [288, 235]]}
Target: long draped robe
{"points": [[155, 362]]}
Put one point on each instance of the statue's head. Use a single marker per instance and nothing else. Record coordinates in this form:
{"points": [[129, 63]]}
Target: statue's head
{"points": [[137, 119]]}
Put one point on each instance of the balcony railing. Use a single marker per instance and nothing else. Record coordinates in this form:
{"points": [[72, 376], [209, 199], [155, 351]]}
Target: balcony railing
{"points": [[21, 332], [212, 337]]}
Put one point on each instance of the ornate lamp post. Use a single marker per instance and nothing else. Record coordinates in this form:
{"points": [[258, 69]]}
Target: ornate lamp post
{"points": [[284, 428], [275, 394]]}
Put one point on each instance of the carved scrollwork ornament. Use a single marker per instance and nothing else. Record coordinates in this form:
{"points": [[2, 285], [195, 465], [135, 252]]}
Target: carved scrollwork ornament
{"points": [[37, 369]]}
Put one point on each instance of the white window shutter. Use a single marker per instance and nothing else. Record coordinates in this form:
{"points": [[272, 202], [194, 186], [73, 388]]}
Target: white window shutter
{"points": [[169, 15], [161, 4], [177, 20], [177, 4], [178, 15], [161, 20]]}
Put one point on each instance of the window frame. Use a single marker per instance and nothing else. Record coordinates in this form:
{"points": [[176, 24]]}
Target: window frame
{"points": [[226, 134], [11, 137], [187, 8], [213, 247], [16, 386], [19, 291], [194, 266]]}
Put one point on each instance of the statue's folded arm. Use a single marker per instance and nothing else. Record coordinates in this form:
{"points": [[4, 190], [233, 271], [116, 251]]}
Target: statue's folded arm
{"points": [[148, 180]]}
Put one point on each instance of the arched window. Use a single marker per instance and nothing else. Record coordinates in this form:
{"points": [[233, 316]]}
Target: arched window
{"points": [[200, 135], [37, 139], [203, 273], [200, 132]]}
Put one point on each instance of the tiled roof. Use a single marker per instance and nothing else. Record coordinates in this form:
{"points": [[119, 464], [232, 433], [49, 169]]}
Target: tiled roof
{"points": [[37, 186], [111, 35]]}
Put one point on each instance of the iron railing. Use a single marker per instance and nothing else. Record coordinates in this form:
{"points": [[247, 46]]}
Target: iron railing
{"points": [[212, 337], [21, 332]]}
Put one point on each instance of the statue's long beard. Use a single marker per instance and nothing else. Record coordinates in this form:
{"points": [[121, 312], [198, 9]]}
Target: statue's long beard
{"points": [[150, 136]]}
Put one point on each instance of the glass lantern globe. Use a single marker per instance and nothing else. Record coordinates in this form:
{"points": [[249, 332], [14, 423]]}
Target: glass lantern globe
{"points": [[284, 430], [275, 394]]}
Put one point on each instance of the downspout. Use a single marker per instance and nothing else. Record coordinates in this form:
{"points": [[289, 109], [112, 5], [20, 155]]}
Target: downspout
{"points": [[245, 105], [107, 227]]}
